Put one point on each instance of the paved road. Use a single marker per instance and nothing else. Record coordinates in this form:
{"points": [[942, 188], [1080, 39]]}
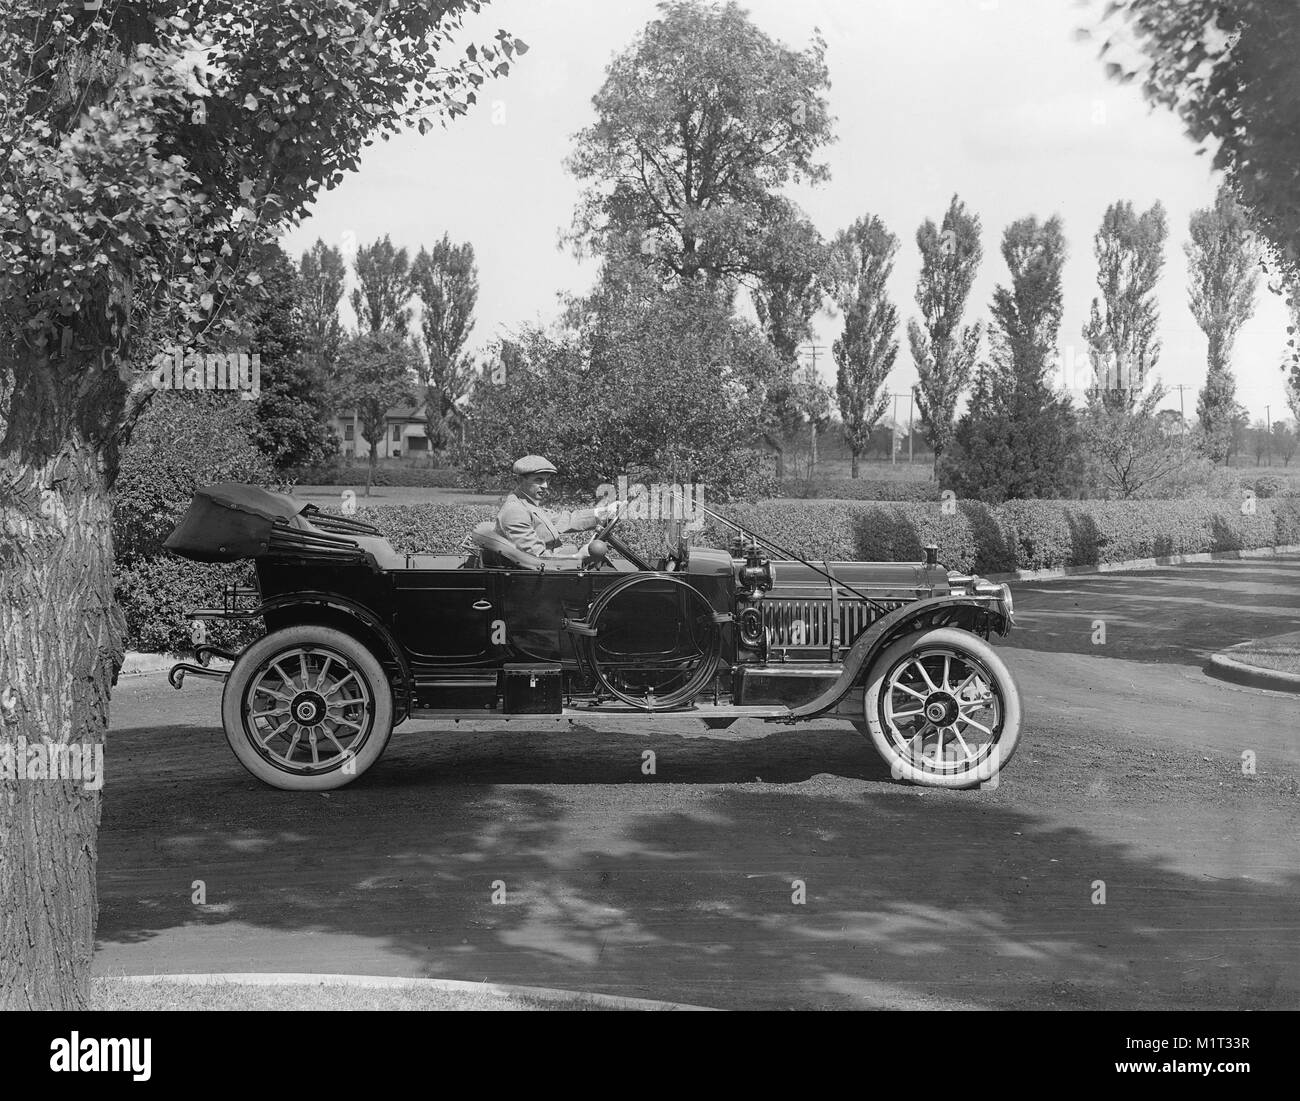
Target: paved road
{"points": [[681, 885]]}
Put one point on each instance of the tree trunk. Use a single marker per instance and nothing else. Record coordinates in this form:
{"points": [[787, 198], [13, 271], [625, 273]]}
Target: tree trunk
{"points": [[61, 644], [855, 450]]}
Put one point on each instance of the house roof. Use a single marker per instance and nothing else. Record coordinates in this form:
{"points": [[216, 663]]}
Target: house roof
{"points": [[395, 413]]}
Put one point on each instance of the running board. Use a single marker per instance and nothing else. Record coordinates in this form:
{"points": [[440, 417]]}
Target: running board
{"points": [[711, 713]]}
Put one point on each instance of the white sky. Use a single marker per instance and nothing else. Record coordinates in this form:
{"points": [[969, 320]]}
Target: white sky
{"points": [[993, 99]]}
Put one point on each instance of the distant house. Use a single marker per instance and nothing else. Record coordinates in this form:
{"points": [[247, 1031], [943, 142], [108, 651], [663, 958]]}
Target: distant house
{"points": [[403, 433]]}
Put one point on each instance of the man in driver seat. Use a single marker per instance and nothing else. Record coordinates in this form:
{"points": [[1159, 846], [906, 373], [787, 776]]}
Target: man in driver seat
{"points": [[536, 530]]}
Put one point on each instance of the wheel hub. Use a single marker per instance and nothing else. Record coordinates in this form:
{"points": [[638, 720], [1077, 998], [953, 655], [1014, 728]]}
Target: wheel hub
{"points": [[308, 708], [941, 708]]}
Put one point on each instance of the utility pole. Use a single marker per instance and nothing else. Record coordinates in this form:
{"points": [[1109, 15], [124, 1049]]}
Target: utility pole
{"points": [[911, 394], [813, 349], [893, 434], [1182, 417]]}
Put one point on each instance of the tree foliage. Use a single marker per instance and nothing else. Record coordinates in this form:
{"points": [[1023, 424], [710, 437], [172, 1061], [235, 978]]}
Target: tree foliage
{"points": [[377, 371], [1019, 438], [699, 123], [446, 282], [1222, 259], [862, 262], [1129, 452], [1223, 266], [322, 273], [145, 147], [944, 354], [1122, 325], [1218, 414], [658, 387], [381, 298], [293, 406], [1227, 67]]}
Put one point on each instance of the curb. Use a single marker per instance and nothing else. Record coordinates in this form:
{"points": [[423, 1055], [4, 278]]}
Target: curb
{"points": [[1224, 667], [499, 990], [138, 664], [1056, 572]]}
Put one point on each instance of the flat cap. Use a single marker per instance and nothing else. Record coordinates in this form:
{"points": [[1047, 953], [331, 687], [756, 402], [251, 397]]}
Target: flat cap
{"points": [[532, 464]]}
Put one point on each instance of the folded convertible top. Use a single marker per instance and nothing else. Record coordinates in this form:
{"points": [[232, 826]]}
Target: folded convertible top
{"points": [[229, 521]]}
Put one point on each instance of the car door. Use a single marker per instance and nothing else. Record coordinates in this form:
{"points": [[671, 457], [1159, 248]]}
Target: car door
{"points": [[445, 617]]}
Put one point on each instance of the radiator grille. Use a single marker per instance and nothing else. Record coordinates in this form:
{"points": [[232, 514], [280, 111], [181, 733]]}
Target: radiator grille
{"points": [[805, 625]]}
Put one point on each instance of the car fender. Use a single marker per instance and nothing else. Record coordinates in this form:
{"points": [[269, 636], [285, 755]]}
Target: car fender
{"points": [[362, 615], [972, 614]]}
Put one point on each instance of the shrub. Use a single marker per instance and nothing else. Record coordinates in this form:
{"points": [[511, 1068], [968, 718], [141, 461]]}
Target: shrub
{"points": [[1051, 534], [1270, 485], [1198, 478], [155, 593], [183, 440]]}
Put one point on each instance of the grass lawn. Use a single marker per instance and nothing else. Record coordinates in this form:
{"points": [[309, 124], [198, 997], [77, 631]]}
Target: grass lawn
{"points": [[1280, 652], [394, 495], [109, 994], [873, 471]]}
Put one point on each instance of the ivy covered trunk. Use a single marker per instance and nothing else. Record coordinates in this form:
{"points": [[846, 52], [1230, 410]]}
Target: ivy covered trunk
{"points": [[61, 643]]}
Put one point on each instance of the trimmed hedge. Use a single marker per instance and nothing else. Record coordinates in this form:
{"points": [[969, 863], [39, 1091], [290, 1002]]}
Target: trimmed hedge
{"points": [[1024, 535], [972, 537]]}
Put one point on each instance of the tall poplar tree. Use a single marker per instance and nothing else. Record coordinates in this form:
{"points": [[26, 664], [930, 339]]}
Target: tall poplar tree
{"points": [[944, 352], [1223, 272]]}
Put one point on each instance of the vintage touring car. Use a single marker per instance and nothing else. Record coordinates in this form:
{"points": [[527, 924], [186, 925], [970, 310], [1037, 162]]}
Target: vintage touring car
{"points": [[359, 637]]}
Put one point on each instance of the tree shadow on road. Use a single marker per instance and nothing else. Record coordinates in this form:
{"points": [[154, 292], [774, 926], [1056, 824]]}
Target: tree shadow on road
{"points": [[661, 886]]}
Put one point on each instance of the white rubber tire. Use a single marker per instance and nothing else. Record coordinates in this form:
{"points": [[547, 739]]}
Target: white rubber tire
{"points": [[947, 638], [362, 663]]}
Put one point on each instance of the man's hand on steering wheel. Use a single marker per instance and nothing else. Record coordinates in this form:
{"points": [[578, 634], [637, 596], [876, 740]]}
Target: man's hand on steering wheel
{"points": [[610, 513]]}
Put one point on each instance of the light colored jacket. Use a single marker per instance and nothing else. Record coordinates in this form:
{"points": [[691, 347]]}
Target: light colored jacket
{"points": [[537, 530]]}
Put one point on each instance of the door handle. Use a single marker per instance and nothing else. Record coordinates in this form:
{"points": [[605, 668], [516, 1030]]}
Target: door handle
{"points": [[482, 605]]}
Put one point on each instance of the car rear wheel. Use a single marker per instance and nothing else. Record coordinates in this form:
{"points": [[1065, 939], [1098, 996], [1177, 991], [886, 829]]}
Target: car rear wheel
{"points": [[942, 709], [307, 709]]}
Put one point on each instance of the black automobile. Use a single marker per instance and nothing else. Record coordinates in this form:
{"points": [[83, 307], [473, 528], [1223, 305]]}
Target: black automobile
{"points": [[359, 637]]}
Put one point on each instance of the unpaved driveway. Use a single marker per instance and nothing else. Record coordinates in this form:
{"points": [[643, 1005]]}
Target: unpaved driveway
{"points": [[1125, 860]]}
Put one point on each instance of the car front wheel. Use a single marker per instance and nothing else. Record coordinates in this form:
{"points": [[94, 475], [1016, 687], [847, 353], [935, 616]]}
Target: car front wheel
{"points": [[307, 709], [942, 709]]}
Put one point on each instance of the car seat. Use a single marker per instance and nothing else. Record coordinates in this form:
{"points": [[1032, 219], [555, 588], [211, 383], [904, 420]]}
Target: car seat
{"points": [[498, 552]]}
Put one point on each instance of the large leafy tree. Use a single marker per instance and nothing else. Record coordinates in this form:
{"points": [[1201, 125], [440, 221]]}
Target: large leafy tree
{"points": [[862, 262], [144, 146], [786, 295], [377, 371], [1227, 67], [381, 299], [293, 409], [1018, 437], [699, 124], [1222, 259], [1122, 325], [446, 281], [322, 274], [657, 385], [943, 351]]}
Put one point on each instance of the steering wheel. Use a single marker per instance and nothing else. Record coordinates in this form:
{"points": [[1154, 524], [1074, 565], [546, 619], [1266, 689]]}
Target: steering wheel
{"points": [[605, 534], [609, 525]]}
